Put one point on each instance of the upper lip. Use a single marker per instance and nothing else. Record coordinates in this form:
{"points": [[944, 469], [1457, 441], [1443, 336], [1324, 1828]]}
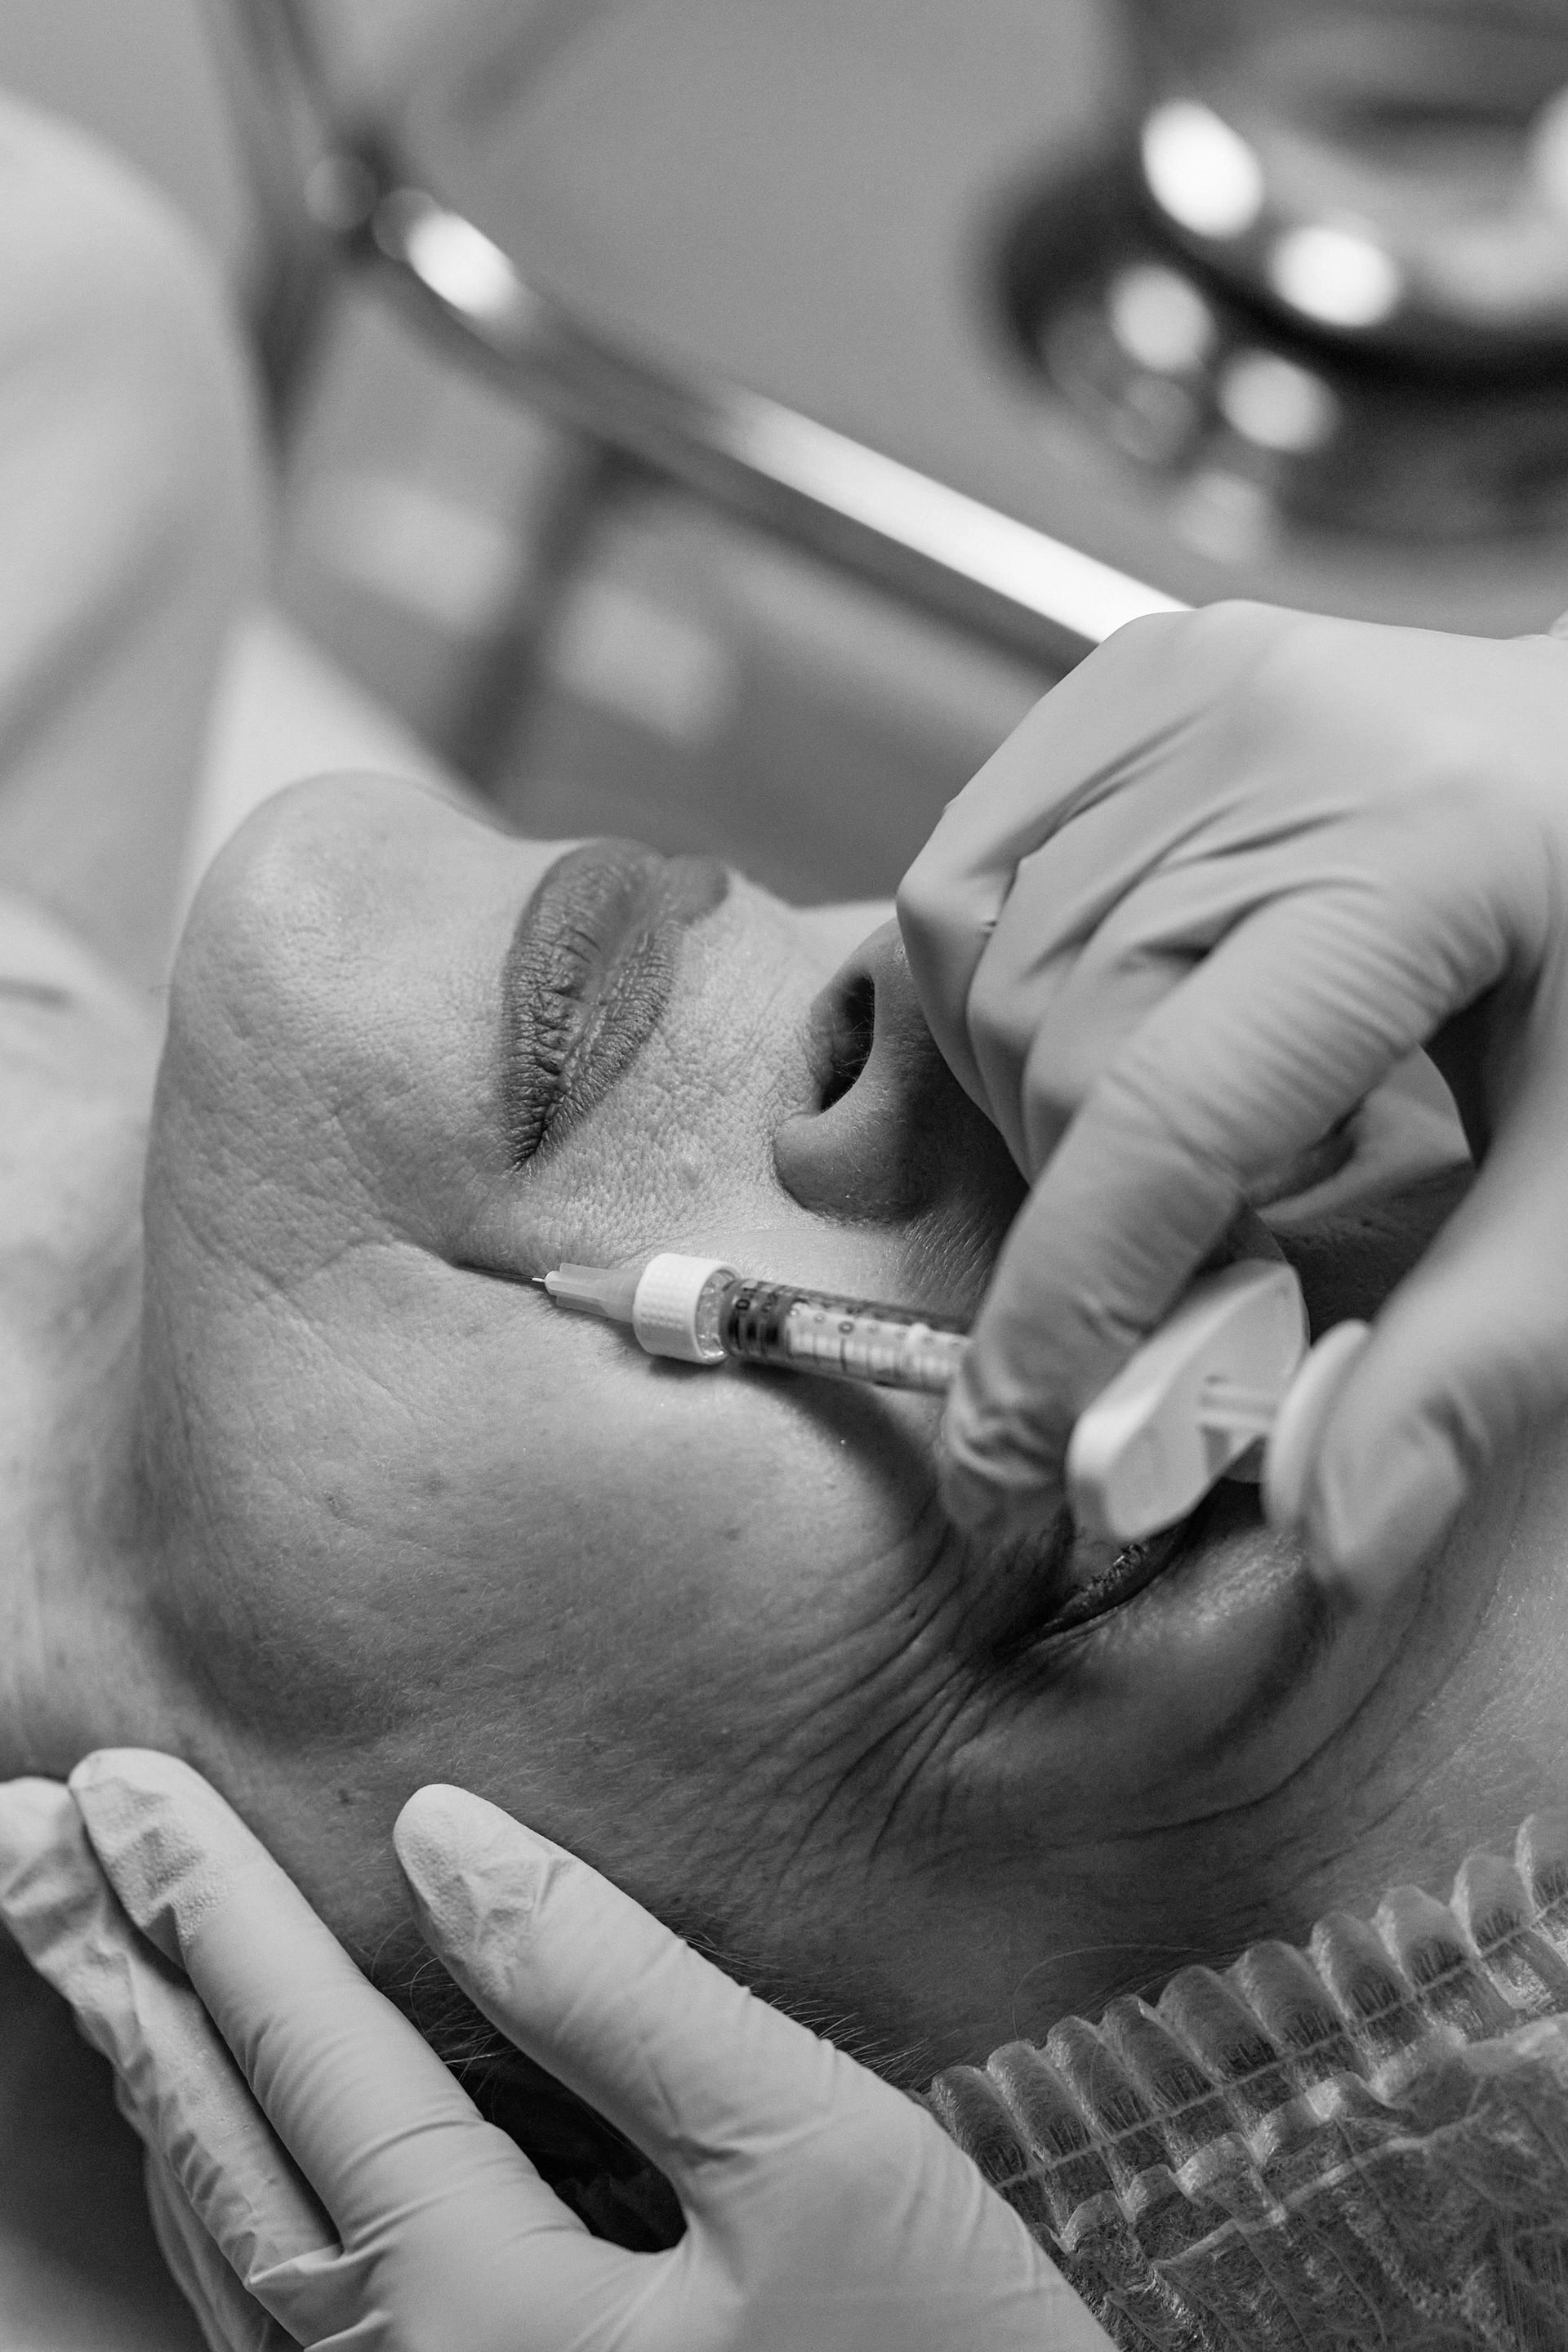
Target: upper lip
{"points": [[588, 976]]}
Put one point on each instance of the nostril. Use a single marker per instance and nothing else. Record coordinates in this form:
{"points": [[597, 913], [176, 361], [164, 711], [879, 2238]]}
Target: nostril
{"points": [[892, 1134], [851, 1037]]}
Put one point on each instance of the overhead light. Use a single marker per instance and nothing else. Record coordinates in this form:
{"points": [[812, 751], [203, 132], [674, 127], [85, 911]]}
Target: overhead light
{"points": [[1224, 517], [1160, 319], [1200, 170], [1275, 404], [1339, 277]]}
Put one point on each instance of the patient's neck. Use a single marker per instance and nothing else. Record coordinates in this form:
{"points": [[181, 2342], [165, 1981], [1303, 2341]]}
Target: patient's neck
{"points": [[1467, 1734], [77, 1062], [78, 1665]]}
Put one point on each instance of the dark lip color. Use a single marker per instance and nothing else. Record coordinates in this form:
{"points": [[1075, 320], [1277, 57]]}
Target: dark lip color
{"points": [[588, 976]]}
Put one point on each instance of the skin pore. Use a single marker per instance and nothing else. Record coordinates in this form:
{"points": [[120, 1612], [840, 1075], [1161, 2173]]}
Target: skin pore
{"points": [[323, 1498]]}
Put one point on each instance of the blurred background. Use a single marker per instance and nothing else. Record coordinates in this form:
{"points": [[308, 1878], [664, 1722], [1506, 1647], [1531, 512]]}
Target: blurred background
{"points": [[1237, 297]]}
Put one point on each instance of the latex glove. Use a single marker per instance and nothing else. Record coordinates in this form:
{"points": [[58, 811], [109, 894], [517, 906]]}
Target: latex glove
{"points": [[1219, 882], [824, 2209]]}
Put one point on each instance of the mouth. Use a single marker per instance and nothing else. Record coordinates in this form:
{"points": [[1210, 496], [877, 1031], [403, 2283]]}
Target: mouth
{"points": [[587, 978]]}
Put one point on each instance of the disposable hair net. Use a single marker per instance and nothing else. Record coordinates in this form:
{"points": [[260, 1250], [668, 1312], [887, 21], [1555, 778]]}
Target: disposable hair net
{"points": [[1359, 2145]]}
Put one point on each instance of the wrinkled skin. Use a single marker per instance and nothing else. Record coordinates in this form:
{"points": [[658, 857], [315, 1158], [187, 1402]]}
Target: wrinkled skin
{"points": [[387, 1515]]}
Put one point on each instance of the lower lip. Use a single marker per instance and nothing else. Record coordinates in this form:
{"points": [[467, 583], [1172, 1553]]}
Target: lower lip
{"points": [[600, 921]]}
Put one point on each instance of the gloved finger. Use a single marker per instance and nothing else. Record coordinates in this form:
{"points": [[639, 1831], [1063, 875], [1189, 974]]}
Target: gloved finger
{"points": [[1049, 1018], [1294, 1018], [230, 2319], [1099, 927], [1042, 1060], [812, 2174], [175, 2080], [696, 2070], [1467, 1358], [1076, 748], [367, 2110], [826, 2207]]}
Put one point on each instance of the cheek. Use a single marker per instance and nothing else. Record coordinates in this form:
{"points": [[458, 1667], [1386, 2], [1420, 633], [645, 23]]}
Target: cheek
{"points": [[727, 1508], [1204, 1696], [656, 1604], [721, 1507]]}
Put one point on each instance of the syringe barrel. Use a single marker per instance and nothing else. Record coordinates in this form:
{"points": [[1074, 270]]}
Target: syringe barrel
{"points": [[843, 1339]]}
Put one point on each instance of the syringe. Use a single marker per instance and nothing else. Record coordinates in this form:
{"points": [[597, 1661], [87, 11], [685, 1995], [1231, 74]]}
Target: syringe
{"points": [[1227, 1374], [701, 1311]]}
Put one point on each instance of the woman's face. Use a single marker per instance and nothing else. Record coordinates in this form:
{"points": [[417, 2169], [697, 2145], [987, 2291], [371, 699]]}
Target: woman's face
{"points": [[709, 1627]]}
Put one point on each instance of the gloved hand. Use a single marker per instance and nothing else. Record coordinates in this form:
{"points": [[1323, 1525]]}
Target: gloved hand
{"points": [[1219, 882], [330, 2184]]}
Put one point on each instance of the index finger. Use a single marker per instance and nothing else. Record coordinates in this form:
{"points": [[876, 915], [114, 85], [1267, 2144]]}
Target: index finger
{"points": [[175, 2081], [365, 2107], [1285, 1026], [694, 2069], [1075, 747]]}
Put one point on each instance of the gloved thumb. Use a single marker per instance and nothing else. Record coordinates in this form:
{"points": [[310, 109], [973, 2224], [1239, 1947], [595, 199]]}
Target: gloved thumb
{"points": [[588, 1983]]}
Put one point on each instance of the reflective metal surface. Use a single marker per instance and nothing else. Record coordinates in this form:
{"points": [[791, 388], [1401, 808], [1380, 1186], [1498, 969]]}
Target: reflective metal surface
{"points": [[1245, 422], [1388, 173], [820, 205], [834, 269], [748, 455], [755, 456]]}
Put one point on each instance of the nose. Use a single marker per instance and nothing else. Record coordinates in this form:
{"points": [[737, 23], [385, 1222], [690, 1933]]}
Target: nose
{"points": [[893, 1133]]}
